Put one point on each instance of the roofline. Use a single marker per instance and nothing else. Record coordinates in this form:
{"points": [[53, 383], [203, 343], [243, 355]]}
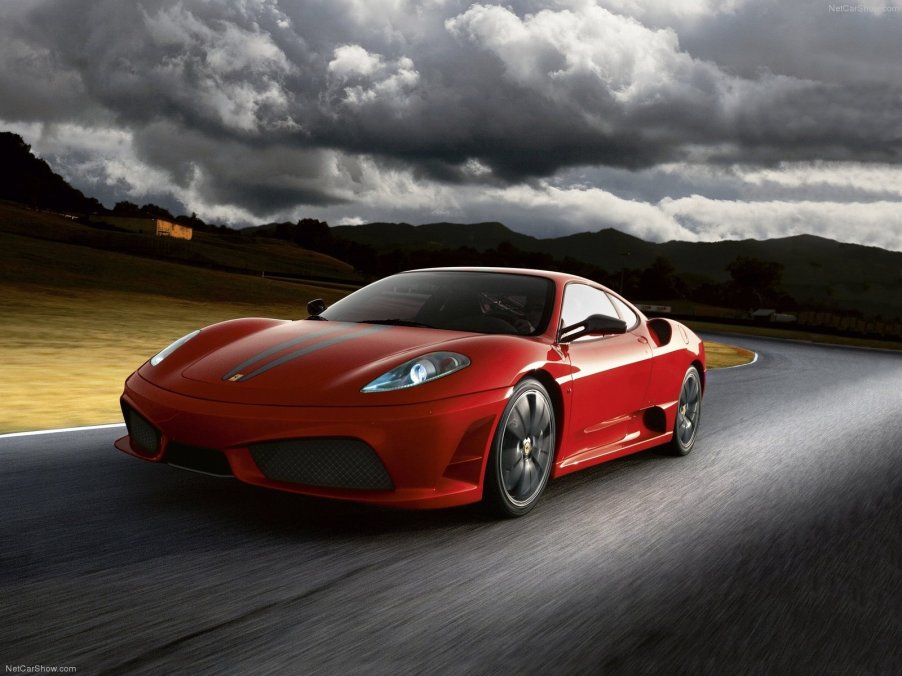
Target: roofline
{"points": [[532, 272]]}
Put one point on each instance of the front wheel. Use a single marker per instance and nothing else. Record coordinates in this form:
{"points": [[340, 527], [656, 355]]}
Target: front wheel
{"points": [[522, 451], [688, 414]]}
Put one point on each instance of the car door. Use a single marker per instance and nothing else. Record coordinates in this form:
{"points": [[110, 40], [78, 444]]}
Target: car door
{"points": [[610, 375]]}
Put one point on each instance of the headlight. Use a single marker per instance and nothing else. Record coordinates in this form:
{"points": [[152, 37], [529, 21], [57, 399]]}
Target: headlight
{"points": [[418, 371], [162, 354]]}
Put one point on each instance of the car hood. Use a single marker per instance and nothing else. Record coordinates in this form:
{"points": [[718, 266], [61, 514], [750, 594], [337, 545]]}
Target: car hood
{"points": [[301, 363]]}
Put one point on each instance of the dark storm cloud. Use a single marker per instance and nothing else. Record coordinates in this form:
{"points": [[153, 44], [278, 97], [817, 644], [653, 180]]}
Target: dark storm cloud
{"points": [[243, 101], [258, 176], [804, 39]]}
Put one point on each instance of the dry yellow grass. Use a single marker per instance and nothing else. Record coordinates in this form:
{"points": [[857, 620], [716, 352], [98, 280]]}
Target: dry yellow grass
{"points": [[720, 355]]}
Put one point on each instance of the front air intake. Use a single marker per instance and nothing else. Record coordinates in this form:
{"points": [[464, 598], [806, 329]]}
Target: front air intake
{"points": [[144, 437], [326, 462]]}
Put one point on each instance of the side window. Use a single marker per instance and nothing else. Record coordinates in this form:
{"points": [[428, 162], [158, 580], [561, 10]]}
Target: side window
{"points": [[580, 301], [626, 314]]}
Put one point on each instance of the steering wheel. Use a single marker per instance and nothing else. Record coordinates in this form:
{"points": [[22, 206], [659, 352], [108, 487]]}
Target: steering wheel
{"points": [[516, 323]]}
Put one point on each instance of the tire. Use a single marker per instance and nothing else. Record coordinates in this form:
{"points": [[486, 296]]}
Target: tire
{"points": [[523, 451], [688, 414]]}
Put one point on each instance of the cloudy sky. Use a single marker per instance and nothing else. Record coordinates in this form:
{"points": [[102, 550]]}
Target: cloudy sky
{"points": [[667, 119]]}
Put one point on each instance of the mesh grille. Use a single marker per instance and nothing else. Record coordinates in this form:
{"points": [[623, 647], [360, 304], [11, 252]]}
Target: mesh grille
{"points": [[144, 436], [332, 463]]}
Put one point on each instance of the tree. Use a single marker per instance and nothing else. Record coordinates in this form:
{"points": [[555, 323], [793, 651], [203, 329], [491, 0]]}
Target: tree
{"points": [[154, 211], [659, 281], [314, 234], [755, 282], [126, 208]]}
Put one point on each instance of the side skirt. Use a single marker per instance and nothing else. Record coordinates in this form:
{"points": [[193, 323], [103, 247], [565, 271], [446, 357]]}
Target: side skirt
{"points": [[595, 456]]}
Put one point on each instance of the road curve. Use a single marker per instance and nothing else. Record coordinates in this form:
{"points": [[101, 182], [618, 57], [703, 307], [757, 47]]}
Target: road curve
{"points": [[775, 546]]}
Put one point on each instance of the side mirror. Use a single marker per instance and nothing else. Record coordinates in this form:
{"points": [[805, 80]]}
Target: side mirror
{"points": [[316, 307], [593, 324]]}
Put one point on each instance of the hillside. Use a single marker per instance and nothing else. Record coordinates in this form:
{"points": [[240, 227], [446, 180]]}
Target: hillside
{"points": [[25, 178], [228, 252], [31, 265]]}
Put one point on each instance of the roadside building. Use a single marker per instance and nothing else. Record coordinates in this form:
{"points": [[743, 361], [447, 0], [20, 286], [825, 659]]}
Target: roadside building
{"points": [[150, 226], [771, 315], [763, 314]]}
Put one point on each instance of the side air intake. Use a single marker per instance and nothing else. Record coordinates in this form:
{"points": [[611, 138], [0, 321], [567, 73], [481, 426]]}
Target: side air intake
{"points": [[196, 459]]}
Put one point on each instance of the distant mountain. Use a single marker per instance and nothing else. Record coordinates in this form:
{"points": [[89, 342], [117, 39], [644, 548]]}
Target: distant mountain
{"points": [[480, 236], [849, 276], [28, 180], [609, 249]]}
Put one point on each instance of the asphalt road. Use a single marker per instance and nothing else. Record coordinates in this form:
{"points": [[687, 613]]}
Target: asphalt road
{"points": [[775, 547]]}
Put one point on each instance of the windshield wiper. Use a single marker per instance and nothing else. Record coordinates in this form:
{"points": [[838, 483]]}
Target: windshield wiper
{"points": [[396, 322]]}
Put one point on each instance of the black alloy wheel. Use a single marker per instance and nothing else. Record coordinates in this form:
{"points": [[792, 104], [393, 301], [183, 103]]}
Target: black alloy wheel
{"points": [[688, 414], [522, 451]]}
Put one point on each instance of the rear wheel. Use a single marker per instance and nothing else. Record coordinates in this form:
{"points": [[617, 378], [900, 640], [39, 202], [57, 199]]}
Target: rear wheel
{"points": [[688, 415], [522, 451]]}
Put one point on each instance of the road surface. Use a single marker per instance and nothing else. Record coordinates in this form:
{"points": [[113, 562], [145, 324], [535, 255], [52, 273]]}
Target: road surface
{"points": [[776, 546]]}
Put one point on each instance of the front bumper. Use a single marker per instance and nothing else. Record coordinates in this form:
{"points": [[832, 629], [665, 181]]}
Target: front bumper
{"points": [[434, 453]]}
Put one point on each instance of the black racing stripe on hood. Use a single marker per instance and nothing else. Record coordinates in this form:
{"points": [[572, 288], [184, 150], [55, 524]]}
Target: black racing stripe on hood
{"points": [[278, 348], [307, 350]]}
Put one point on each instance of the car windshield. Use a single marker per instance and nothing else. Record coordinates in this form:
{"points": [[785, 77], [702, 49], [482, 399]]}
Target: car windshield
{"points": [[482, 302]]}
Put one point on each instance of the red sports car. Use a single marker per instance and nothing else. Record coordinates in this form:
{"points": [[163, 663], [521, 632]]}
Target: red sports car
{"points": [[429, 388]]}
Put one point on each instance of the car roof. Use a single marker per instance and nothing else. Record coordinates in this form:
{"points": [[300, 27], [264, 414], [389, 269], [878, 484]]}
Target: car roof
{"points": [[558, 277]]}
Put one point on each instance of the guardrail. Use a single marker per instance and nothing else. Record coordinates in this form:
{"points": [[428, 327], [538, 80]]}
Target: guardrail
{"points": [[848, 326]]}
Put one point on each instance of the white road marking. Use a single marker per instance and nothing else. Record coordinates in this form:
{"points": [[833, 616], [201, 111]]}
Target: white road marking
{"points": [[63, 429]]}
